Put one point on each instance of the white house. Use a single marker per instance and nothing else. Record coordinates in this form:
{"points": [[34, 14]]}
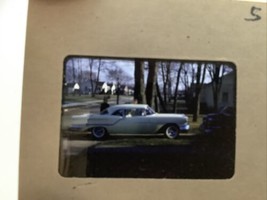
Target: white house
{"points": [[113, 89], [108, 88], [76, 87], [227, 93]]}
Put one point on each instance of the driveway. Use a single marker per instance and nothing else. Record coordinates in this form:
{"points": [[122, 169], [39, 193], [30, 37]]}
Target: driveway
{"points": [[190, 156]]}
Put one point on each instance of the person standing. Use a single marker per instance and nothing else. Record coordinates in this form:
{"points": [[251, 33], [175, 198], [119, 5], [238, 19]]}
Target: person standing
{"points": [[104, 104]]}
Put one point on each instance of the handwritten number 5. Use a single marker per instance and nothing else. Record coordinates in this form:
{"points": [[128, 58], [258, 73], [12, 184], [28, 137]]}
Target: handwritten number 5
{"points": [[255, 16]]}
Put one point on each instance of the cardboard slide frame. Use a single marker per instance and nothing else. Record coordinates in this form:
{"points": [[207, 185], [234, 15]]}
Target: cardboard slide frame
{"points": [[223, 30]]}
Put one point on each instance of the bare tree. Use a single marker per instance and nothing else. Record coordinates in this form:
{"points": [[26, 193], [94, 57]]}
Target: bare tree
{"points": [[178, 75], [151, 83], [93, 83], [187, 79], [139, 88], [99, 69], [73, 69], [81, 75], [117, 74], [200, 77], [161, 101], [165, 75], [161, 86], [96, 66], [216, 71]]}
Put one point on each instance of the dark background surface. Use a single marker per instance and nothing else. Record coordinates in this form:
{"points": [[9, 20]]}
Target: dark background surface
{"points": [[188, 157]]}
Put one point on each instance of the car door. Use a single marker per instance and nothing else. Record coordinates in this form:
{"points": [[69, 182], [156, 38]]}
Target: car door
{"points": [[131, 123]]}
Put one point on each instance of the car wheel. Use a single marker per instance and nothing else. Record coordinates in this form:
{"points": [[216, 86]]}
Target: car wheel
{"points": [[172, 131], [99, 133]]}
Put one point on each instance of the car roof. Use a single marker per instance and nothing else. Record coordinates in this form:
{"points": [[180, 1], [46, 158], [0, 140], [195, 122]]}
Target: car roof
{"points": [[126, 106]]}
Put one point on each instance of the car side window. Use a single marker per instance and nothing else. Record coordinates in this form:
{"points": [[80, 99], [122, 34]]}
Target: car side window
{"points": [[104, 112], [119, 112], [140, 112], [128, 113]]}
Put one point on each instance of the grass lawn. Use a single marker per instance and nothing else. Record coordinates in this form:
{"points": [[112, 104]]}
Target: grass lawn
{"points": [[194, 126], [82, 98]]}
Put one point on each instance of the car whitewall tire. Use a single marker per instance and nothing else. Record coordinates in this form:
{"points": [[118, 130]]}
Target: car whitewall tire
{"points": [[172, 131], [99, 133]]}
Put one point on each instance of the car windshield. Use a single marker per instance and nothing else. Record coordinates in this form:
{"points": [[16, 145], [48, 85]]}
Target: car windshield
{"points": [[150, 111], [227, 110], [104, 112]]}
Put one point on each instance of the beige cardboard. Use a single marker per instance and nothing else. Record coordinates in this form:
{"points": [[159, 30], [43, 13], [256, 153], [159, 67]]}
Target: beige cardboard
{"points": [[184, 29]]}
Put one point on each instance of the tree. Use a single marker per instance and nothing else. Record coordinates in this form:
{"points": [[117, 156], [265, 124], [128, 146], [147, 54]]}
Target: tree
{"points": [[117, 74], [216, 71], [80, 71], [151, 83], [99, 69], [177, 86], [200, 77], [93, 82], [95, 68], [161, 85], [71, 73], [165, 70], [139, 91], [161, 102], [187, 79]]}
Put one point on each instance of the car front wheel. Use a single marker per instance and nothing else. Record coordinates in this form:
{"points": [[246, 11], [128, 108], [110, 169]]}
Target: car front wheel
{"points": [[99, 133], [172, 131]]}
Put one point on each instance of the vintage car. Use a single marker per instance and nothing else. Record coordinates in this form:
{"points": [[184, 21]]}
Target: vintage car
{"points": [[135, 119], [221, 121]]}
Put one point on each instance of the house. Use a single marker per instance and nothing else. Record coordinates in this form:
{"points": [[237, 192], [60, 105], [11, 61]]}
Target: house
{"points": [[87, 86], [112, 88], [128, 90], [84, 87], [68, 88], [106, 88], [226, 95], [125, 90]]}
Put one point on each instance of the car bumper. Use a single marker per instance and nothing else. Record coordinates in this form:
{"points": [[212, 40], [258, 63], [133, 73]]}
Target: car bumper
{"points": [[184, 128], [208, 129]]}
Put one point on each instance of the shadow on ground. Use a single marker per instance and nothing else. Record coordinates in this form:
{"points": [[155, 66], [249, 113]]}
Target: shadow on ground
{"points": [[189, 157]]}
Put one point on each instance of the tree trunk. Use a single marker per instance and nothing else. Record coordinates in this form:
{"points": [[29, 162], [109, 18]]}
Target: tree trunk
{"points": [[151, 83], [73, 71], [98, 75], [216, 82], [198, 86], [177, 87], [163, 80], [93, 89], [161, 102], [139, 94]]}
